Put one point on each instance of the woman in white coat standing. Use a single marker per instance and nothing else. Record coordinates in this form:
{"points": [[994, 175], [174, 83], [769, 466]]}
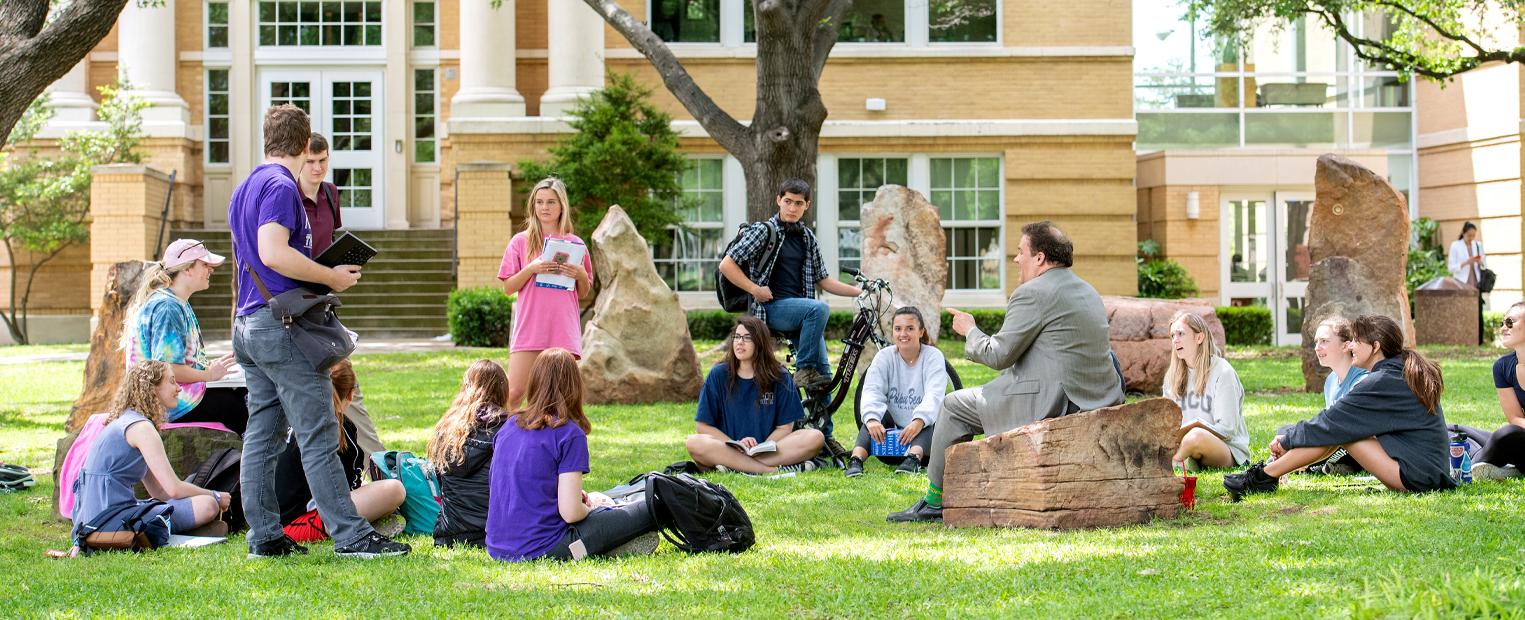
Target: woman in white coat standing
{"points": [[1466, 261]]}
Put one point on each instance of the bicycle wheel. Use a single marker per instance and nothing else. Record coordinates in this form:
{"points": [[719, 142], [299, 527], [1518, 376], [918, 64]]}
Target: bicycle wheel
{"points": [[954, 383]]}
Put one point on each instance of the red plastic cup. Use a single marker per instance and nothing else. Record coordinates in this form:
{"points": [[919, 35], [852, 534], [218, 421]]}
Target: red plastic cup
{"points": [[1189, 492]]}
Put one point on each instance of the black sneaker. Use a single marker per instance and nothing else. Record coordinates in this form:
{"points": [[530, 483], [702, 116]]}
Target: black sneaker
{"points": [[279, 547], [811, 380], [1252, 480], [910, 465], [854, 468], [918, 513], [372, 546]]}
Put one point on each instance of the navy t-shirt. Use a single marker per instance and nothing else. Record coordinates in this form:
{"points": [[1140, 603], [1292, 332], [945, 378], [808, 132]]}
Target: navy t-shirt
{"points": [[1504, 376], [741, 412], [269, 195], [788, 278]]}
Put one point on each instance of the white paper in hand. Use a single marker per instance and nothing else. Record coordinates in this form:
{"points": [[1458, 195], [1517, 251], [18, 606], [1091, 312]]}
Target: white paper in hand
{"points": [[563, 251]]}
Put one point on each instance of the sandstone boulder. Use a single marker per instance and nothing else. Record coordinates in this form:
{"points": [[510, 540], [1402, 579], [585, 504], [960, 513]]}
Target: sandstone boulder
{"points": [[1099, 468], [1445, 312], [1140, 333], [636, 347], [903, 243], [105, 364], [1358, 240]]}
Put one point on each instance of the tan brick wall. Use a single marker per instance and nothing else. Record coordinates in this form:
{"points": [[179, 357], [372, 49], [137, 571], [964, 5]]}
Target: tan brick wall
{"points": [[485, 223], [1192, 243], [125, 203], [1082, 22], [60, 287]]}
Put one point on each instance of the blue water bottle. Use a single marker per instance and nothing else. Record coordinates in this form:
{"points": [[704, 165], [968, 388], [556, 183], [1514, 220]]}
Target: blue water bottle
{"points": [[1459, 457], [1466, 469]]}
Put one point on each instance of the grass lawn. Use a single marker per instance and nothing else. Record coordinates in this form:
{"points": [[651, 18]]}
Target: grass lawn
{"points": [[1321, 547]]}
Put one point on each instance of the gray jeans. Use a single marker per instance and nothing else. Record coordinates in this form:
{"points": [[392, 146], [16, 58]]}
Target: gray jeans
{"points": [[285, 391], [604, 529]]}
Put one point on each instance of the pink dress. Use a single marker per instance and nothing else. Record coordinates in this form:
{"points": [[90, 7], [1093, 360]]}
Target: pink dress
{"points": [[544, 318]]}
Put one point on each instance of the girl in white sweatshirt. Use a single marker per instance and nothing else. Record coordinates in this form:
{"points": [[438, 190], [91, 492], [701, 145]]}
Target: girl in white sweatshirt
{"points": [[902, 389], [1213, 433]]}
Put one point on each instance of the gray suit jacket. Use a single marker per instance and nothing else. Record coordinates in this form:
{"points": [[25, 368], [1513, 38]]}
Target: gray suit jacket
{"points": [[1052, 352]]}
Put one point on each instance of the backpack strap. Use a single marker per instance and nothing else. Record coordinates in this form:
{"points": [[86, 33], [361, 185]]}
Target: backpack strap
{"points": [[332, 192], [775, 247], [263, 292]]}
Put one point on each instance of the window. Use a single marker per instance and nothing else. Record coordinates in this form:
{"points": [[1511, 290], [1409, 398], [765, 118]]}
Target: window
{"points": [[217, 24], [686, 21], [423, 24], [217, 116], [352, 117], [873, 21], [287, 23], [689, 259], [967, 192], [962, 21], [354, 187], [424, 150], [298, 94], [857, 181]]}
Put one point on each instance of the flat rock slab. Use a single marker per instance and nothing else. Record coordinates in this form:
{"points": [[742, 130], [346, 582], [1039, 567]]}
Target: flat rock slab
{"points": [[1099, 468]]}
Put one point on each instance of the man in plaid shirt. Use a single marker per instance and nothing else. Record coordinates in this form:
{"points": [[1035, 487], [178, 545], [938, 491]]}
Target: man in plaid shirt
{"points": [[785, 296]]}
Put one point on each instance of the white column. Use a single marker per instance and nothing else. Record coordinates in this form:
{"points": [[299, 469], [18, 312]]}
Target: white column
{"points": [[576, 54], [73, 109], [397, 86], [488, 57], [146, 58]]}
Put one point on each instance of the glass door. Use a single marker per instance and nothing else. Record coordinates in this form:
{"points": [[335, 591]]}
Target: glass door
{"points": [[1294, 211], [1264, 258], [345, 107]]}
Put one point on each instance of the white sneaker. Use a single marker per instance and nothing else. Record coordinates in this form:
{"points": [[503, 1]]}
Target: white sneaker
{"points": [[1489, 471]]}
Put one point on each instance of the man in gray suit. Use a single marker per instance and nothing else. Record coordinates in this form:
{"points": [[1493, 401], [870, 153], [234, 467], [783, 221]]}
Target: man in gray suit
{"points": [[1052, 352]]}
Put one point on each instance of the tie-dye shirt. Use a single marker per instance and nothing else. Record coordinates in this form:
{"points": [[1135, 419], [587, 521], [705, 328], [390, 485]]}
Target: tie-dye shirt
{"points": [[165, 329]]}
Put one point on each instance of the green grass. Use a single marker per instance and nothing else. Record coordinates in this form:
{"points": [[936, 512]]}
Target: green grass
{"points": [[1319, 548], [15, 351]]}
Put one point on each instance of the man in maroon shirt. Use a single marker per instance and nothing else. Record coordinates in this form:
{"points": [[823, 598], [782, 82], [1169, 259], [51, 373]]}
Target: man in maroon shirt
{"points": [[320, 197]]}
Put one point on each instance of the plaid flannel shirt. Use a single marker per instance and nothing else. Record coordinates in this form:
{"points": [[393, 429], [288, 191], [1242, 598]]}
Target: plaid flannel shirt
{"points": [[752, 244]]}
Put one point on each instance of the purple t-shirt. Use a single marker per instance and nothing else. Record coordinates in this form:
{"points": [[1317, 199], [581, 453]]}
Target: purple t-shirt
{"points": [[522, 520], [270, 194]]}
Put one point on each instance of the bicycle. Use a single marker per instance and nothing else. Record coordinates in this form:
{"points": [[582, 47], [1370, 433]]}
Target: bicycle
{"points": [[820, 405]]}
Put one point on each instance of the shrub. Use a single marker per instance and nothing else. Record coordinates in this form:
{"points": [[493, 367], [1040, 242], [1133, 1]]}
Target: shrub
{"points": [[1160, 277], [709, 324], [1492, 321], [1246, 325], [987, 319], [480, 317]]}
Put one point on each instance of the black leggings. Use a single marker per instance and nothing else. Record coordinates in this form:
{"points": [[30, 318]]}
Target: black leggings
{"points": [[604, 529], [226, 406], [1505, 447]]}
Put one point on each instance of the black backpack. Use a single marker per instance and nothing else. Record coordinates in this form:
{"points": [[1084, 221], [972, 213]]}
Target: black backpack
{"points": [[220, 473], [731, 297], [697, 515]]}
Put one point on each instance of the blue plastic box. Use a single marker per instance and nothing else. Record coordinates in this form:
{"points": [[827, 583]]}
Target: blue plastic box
{"points": [[890, 446]]}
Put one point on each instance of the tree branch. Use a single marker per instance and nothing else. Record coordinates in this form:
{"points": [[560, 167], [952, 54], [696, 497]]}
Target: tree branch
{"points": [[827, 30], [34, 56], [1434, 26], [20, 20], [722, 127], [1393, 56]]}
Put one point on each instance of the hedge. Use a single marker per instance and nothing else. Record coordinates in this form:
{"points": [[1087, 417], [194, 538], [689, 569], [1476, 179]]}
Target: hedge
{"points": [[1246, 325], [715, 324], [480, 317]]}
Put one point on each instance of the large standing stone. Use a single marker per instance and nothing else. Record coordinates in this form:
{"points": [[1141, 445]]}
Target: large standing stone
{"points": [[1100, 468], [106, 362], [1140, 333], [1358, 240], [636, 348], [903, 243]]}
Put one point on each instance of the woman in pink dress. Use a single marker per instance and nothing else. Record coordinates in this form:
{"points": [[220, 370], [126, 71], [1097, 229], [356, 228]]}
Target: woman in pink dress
{"points": [[546, 314]]}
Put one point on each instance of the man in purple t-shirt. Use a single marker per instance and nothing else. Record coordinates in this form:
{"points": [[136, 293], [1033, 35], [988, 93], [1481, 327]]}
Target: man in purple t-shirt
{"points": [[272, 241]]}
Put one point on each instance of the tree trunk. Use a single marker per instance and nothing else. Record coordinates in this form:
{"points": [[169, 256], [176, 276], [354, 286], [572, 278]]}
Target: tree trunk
{"points": [[36, 51]]}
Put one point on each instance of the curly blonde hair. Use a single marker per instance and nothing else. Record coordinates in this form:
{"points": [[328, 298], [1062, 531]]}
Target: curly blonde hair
{"points": [[138, 392], [484, 389]]}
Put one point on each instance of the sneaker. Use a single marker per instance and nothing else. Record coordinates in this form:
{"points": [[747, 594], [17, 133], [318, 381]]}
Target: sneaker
{"points": [[811, 380], [722, 469], [306, 528], [797, 467], [1488, 471], [372, 546], [279, 547], [920, 512], [645, 544], [1252, 480], [910, 465], [854, 468], [390, 525]]}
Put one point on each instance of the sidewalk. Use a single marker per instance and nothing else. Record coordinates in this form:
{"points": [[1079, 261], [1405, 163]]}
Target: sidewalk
{"points": [[216, 348]]}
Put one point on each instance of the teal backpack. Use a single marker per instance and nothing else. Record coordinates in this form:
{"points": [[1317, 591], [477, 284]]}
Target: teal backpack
{"points": [[421, 508]]}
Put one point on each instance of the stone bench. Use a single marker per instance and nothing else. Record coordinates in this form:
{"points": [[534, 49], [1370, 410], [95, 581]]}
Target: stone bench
{"points": [[1099, 468]]}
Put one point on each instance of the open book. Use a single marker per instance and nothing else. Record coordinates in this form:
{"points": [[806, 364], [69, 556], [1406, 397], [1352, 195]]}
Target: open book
{"points": [[762, 448]]}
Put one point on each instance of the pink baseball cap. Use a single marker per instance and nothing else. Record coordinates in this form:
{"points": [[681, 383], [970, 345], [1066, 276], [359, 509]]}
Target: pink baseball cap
{"points": [[184, 251]]}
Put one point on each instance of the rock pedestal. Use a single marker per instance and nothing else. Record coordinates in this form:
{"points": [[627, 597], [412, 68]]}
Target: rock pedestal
{"points": [[1445, 312], [1140, 333], [636, 347], [106, 362], [1358, 240], [903, 243], [1100, 468]]}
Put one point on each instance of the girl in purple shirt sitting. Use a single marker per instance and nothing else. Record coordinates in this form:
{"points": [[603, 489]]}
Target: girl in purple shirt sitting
{"points": [[536, 504]]}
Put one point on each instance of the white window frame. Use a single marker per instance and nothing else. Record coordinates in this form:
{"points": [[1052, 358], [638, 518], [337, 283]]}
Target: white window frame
{"points": [[999, 223], [726, 184], [207, 116], [413, 116], [413, 25], [917, 29], [206, 24], [299, 50]]}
